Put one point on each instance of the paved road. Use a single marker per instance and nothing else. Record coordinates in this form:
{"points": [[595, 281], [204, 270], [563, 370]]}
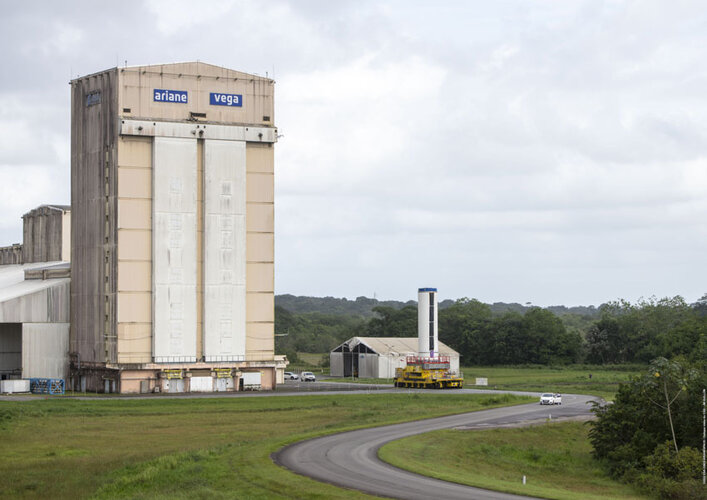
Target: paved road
{"points": [[350, 459]]}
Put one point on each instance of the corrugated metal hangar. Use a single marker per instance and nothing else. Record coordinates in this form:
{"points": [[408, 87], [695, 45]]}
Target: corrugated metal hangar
{"points": [[172, 248], [378, 357]]}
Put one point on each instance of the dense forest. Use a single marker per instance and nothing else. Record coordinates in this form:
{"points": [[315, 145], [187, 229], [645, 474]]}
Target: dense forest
{"points": [[363, 306], [504, 334]]}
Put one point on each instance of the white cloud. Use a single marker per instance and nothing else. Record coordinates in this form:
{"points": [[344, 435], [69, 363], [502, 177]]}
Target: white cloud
{"points": [[547, 151], [174, 16]]}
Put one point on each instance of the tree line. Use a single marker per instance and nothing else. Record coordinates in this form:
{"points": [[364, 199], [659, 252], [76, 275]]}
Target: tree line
{"points": [[616, 332]]}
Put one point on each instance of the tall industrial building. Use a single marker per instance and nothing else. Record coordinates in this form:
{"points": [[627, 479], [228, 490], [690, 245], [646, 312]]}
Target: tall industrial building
{"points": [[172, 243]]}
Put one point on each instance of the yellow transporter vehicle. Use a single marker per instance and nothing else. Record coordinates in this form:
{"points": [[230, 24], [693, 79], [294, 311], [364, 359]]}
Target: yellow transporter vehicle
{"points": [[428, 373]]}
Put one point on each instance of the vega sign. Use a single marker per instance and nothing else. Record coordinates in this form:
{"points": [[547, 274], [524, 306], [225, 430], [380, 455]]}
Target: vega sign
{"points": [[218, 99]]}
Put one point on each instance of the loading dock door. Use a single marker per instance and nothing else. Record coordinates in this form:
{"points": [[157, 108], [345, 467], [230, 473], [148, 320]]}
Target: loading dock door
{"points": [[348, 363], [10, 350]]}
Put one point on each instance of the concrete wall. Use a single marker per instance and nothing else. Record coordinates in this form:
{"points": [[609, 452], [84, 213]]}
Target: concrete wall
{"points": [[336, 364], [255, 186], [11, 255], [388, 364], [367, 365], [43, 234], [94, 217], [137, 84], [134, 296], [45, 350], [454, 363], [260, 251], [46, 232]]}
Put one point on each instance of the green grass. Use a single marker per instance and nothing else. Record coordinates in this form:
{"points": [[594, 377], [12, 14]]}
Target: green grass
{"points": [[555, 458], [565, 380], [188, 448], [310, 359]]}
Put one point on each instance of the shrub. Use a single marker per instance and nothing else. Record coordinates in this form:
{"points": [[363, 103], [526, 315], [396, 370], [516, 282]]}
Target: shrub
{"points": [[667, 464]]}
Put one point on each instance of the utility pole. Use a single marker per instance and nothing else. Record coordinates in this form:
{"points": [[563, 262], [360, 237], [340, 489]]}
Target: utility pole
{"points": [[704, 436]]}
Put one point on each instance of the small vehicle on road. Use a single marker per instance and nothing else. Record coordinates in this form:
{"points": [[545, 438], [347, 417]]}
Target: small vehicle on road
{"points": [[549, 398], [291, 376], [308, 377]]}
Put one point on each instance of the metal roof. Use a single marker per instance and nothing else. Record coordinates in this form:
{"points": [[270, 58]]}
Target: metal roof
{"points": [[404, 346], [14, 285], [194, 68]]}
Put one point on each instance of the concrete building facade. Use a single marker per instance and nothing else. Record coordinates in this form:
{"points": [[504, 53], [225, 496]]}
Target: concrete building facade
{"points": [[172, 251], [46, 237]]}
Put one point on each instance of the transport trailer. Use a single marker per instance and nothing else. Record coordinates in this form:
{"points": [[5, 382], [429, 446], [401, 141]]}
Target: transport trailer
{"points": [[428, 373]]}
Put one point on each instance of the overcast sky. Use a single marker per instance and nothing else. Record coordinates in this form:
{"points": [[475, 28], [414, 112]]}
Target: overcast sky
{"points": [[552, 152]]}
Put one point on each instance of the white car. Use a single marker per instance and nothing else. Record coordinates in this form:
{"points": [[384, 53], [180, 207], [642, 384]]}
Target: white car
{"points": [[291, 376], [549, 398], [308, 377]]}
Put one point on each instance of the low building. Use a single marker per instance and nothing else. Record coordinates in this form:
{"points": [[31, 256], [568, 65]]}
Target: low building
{"points": [[378, 357], [34, 320], [34, 297]]}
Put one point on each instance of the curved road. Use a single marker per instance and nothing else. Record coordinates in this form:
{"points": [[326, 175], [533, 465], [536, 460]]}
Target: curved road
{"points": [[350, 459]]}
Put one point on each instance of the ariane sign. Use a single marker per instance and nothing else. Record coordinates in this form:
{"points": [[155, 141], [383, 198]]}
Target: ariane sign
{"points": [[218, 99], [179, 96]]}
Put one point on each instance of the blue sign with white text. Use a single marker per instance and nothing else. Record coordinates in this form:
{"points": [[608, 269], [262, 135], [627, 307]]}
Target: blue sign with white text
{"points": [[161, 95], [218, 99]]}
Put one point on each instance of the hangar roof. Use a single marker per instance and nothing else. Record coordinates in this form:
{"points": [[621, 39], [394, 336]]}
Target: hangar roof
{"points": [[405, 346], [25, 301], [187, 68]]}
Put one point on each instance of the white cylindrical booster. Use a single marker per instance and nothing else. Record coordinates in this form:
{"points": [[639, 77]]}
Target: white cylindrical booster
{"points": [[427, 343]]}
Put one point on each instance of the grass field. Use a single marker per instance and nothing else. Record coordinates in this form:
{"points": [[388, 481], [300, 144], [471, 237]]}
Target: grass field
{"points": [[604, 381], [188, 448], [308, 361], [555, 458]]}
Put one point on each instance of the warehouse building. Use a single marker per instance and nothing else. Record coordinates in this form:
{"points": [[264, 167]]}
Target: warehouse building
{"points": [[172, 275], [378, 357], [34, 297]]}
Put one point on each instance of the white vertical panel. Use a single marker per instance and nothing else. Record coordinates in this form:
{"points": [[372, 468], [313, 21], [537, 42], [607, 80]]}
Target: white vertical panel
{"points": [[174, 249], [427, 328], [224, 250], [423, 307], [45, 350]]}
